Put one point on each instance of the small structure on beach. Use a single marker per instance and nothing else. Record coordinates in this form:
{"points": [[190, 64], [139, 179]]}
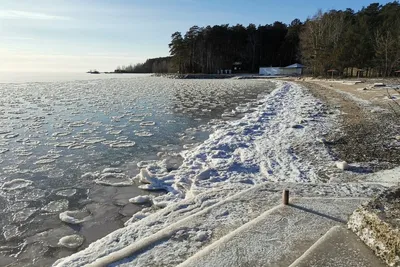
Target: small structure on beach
{"points": [[291, 70], [332, 71]]}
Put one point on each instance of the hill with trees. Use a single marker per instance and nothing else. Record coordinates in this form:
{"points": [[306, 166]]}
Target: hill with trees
{"points": [[367, 40]]}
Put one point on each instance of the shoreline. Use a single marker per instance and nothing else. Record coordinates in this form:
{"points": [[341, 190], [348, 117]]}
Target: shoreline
{"points": [[265, 146], [265, 151]]}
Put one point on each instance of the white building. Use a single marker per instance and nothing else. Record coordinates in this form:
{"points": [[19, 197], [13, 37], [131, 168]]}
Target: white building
{"points": [[295, 70]]}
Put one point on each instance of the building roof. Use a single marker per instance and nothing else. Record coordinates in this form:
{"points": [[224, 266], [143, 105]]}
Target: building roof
{"points": [[295, 66]]}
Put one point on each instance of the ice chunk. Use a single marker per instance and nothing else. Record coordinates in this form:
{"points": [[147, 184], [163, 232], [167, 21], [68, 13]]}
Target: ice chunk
{"points": [[144, 134], [93, 140], [152, 187], [343, 165], [23, 215], [115, 132], [66, 192], [56, 134], [65, 144], [114, 179], [16, 184], [141, 199], [10, 232], [90, 175], [122, 144], [33, 195], [45, 161], [111, 170], [17, 206], [11, 135], [76, 146], [71, 241], [147, 123], [56, 206], [145, 176], [74, 217]]}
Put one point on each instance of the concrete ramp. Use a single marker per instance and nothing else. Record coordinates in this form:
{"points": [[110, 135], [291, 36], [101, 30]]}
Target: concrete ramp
{"points": [[339, 247], [279, 236]]}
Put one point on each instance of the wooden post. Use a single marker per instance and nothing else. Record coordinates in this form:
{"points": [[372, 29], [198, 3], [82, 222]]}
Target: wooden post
{"points": [[285, 197]]}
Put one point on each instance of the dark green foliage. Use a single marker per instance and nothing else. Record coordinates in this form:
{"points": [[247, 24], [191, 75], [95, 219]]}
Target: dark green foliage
{"points": [[152, 65], [342, 40], [211, 48]]}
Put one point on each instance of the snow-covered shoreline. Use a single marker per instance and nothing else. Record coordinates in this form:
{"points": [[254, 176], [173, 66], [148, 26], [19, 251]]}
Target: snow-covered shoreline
{"points": [[281, 141]]}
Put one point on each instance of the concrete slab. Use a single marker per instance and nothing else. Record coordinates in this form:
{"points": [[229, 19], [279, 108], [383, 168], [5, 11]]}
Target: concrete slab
{"points": [[339, 247], [278, 237]]}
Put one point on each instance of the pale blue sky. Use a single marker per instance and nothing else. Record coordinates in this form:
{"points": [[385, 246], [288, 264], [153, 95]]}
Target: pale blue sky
{"points": [[77, 35]]}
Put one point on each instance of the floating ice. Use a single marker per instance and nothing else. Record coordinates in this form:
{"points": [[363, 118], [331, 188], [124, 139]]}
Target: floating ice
{"points": [[66, 144], [114, 179], [56, 134], [4, 150], [71, 241], [66, 192], [45, 161], [144, 134], [147, 123], [76, 146], [17, 206], [10, 232], [23, 153], [23, 215], [16, 184], [33, 195], [136, 120], [145, 176], [77, 124], [90, 175], [116, 132], [11, 135], [56, 206], [145, 163], [141, 199], [172, 163], [74, 217], [110, 170], [122, 144], [94, 140], [152, 187]]}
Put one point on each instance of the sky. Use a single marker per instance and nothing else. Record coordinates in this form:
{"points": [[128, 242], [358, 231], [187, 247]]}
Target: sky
{"points": [[78, 35]]}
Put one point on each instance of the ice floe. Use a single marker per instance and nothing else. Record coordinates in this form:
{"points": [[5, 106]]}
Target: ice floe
{"points": [[123, 144], [114, 179], [71, 241], [66, 192], [56, 206], [16, 184], [147, 123], [74, 217], [141, 199], [23, 215]]}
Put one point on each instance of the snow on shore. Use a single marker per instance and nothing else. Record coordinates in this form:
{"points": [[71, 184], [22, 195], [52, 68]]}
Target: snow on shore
{"points": [[280, 141]]}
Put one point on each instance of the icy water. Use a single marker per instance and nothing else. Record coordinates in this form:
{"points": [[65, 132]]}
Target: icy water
{"points": [[77, 145]]}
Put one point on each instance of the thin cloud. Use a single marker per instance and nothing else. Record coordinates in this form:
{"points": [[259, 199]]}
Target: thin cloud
{"points": [[18, 14], [16, 38]]}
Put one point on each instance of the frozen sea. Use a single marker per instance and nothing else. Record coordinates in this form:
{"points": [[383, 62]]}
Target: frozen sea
{"points": [[72, 144]]}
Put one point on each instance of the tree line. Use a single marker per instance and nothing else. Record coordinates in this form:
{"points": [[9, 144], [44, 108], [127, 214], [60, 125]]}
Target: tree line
{"points": [[152, 65], [342, 40]]}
